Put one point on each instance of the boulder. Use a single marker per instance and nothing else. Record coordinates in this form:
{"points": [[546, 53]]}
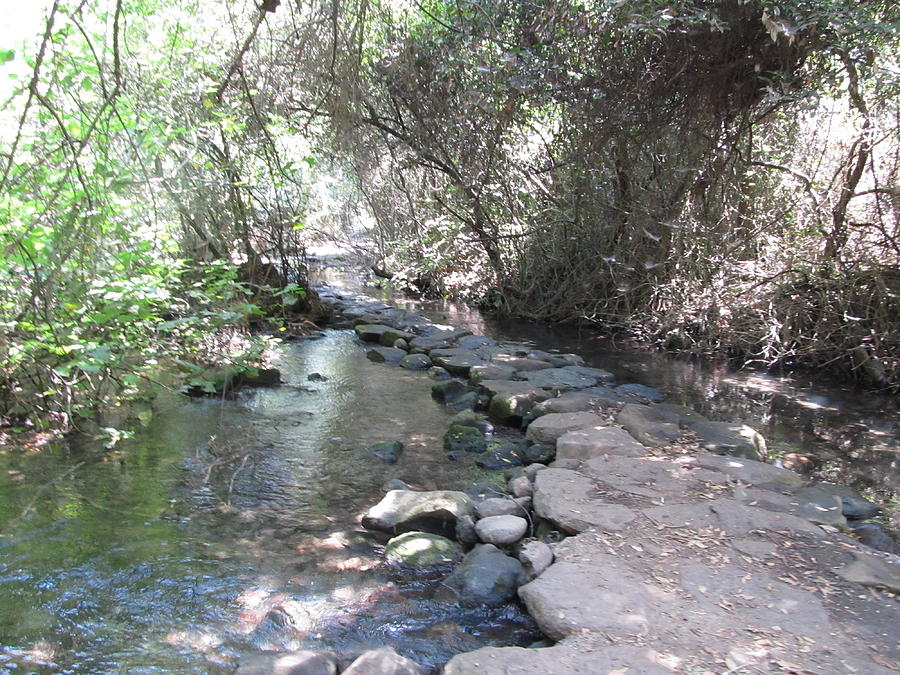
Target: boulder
{"points": [[592, 398], [385, 355], [510, 400], [556, 360], [449, 391], [548, 428], [384, 661], [401, 344], [470, 418], [392, 336], [405, 510], [421, 550], [723, 438], [389, 451], [597, 441], [485, 577], [415, 362], [501, 530], [649, 426]]}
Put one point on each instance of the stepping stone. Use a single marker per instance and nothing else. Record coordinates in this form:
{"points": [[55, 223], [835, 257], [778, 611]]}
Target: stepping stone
{"points": [[455, 360], [598, 441], [548, 428], [567, 499], [560, 379], [650, 426], [750, 471], [385, 355], [652, 478]]}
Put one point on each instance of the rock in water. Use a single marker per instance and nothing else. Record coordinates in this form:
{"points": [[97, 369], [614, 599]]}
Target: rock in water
{"points": [[404, 510], [389, 451], [421, 550], [291, 663], [485, 577], [501, 530], [384, 661]]}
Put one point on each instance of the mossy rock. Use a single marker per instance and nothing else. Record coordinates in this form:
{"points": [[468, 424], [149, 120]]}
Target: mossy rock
{"points": [[421, 550], [464, 439]]}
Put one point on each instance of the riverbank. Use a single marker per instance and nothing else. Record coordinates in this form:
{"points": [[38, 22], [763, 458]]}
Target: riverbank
{"points": [[672, 559]]}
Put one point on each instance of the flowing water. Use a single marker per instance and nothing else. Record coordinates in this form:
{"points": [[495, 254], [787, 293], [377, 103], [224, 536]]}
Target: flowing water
{"points": [[232, 526], [227, 527]]}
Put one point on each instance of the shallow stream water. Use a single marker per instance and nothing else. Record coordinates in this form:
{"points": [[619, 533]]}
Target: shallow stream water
{"points": [[227, 527], [232, 526]]}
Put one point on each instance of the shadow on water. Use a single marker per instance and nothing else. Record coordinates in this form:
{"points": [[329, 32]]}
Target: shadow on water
{"points": [[232, 526]]}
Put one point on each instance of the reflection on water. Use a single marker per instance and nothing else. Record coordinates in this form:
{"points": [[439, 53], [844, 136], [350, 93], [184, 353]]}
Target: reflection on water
{"points": [[231, 526], [848, 436]]}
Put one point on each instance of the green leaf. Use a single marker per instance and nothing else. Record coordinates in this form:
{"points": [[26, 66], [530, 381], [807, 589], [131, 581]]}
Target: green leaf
{"points": [[7, 55]]}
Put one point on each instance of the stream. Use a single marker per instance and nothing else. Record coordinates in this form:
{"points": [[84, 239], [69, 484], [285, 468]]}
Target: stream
{"points": [[229, 527]]}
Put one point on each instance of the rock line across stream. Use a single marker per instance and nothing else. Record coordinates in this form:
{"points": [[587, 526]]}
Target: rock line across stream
{"points": [[674, 548]]}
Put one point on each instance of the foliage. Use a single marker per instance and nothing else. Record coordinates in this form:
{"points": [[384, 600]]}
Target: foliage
{"points": [[128, 192]]}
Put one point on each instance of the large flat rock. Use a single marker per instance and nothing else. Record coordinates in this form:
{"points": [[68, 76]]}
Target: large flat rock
{"points": [[650, 426], [651, 477], [589, 590], [596, 442], [731, 517], [576, 656], [561, 379], [750, 471], [569, 500], [548, 428]]}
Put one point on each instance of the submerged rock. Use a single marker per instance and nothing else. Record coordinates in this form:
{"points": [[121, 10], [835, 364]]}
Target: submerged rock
{"points": [[405, 510], [421, 550], [485, 577], [642, 391], [389, 451], [415, 362]]}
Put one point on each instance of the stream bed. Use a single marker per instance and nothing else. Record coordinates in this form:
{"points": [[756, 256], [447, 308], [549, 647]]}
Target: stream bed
{"points": [[229, 527], [232, 526]]}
